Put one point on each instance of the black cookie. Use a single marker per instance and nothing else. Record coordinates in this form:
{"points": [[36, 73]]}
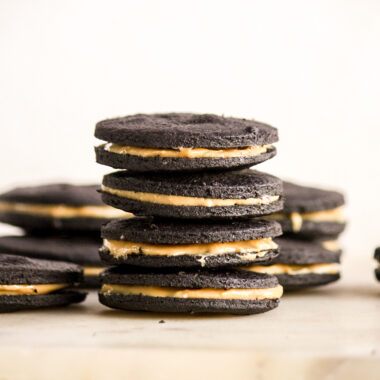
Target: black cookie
{"points": [[31, 283], [56, 207], [180, 141], [167, 243], [230, 194], [82, 250], [311, 213], [301, 265], [60, 298], [185, 291], [377, 257]]}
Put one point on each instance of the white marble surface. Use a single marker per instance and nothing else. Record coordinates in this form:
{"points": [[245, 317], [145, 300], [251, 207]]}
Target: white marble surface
{"points": [[332, 332]]}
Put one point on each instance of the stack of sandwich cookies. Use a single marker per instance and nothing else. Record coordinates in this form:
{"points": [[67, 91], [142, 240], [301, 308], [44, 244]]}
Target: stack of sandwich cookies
{"points": [[81, 250], [181, 141], [62, 222], [312, 220], [30, 283], [377, 258], [187, 183], [301, 265]]}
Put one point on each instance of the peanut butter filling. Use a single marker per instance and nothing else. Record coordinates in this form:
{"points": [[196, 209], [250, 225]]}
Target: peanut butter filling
{"points": [[179, 200], [330, 268], [92, 271], [119, 248], [16, 290], [333, 215], [209, 293], [182, 152], [65, 211], [331, 245]]}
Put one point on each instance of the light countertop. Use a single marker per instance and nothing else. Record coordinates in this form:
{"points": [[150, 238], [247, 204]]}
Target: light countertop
{"points": [[328, 331]]}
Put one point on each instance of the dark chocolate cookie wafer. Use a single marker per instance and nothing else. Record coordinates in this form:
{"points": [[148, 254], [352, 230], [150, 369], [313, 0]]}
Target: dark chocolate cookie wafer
{"points": [[182, 141], [184, 243], [31, 283], [234, 292], [232, 194], [301, 265], [377, 257], [56, 207], [311, 213], [82, 250]]}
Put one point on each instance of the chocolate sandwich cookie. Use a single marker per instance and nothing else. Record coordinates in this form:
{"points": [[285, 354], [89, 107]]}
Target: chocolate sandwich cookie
{"points": [[234, 292], [31, 283], [183, 141], [301, 265], [228, 194], [56, 207], [377, 257], [82, 250], [185, 243], [311, 213]]}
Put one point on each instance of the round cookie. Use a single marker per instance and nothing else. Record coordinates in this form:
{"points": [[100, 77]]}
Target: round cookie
{"points": [[377, 257], [234, 292], [59, 207], [231, 194], [82, 250], [31, 283], [301, 265], [187, 243], [311, 213], [183, 141]]}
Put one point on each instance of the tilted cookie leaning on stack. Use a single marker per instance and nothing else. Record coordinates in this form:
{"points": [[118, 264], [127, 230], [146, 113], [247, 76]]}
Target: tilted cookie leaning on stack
{"points": [[187, 181]]}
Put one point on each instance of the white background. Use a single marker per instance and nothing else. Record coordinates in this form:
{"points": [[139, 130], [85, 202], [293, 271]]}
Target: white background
{"points": [[310, 68]]}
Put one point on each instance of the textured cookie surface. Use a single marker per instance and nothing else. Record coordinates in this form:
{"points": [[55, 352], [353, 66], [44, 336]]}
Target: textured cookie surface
{"points": [[179, 238], [297, 252], [23, 270], [166, 231], [30, 302], [81, 250], [311, 213], [189, 305], [305, 281], [156, 163], [311, 230], [53, 194], [185, 130], [59, 207], [304, 199], [188, 279], [239, 185]]}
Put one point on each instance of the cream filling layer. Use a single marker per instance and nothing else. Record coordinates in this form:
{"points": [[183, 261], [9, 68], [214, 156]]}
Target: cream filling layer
{"points": [[119, 248], [182, 152], [92, 271], [333, 215], [179, 200], [331, 245], [210, 293], [330, 268], [64, 211], [16, 290]]}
